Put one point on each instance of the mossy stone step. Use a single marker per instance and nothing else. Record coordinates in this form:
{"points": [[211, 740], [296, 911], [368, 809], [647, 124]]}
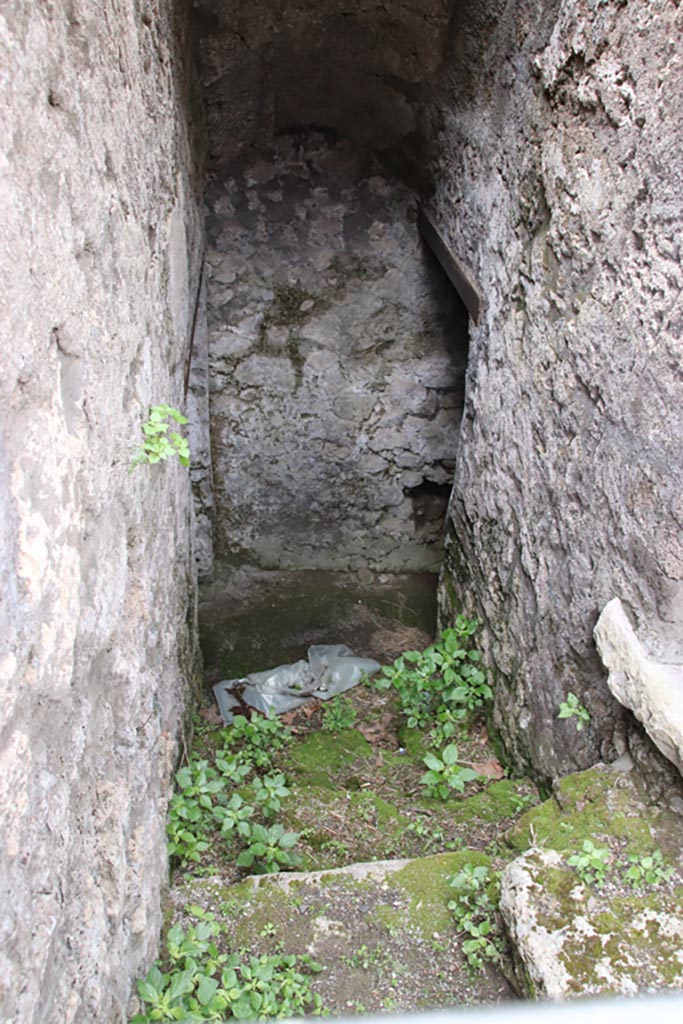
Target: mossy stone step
{"points": [[382, 930]]}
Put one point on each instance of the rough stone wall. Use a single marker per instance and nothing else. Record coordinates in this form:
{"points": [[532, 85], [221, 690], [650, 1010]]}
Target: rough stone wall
{"points": [[559, 183], [337, 351], [359, 68], [97, 257]]}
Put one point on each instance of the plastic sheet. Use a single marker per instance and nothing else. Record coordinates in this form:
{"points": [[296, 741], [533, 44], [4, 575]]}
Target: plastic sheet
{"points": [[329, 670]]}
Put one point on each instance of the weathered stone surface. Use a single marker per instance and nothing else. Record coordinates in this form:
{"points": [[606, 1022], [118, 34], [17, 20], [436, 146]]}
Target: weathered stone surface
{"points": [[651, 690], [558, 185], [382, 931], [570, 937], [335, 366], [361, 72], [568, 942], [98, 244]]}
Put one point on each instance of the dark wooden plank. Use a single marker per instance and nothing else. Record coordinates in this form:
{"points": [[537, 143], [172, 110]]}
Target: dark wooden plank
{"points": [[453, 269]]}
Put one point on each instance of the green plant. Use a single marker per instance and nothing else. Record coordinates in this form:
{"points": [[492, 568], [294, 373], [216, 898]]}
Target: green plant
{"points": [[234, 816], [184, 842], [591, 863], [649, 869], [201, 984], [338, 714], [233, 768], [203, 803], [441, 685], [269, 848], [191, 811], [157, 443], [256, 739], [474, 912], [364, 958], [445, 773], [335, 847], [446, 722], [269, 792], [571, 708]]}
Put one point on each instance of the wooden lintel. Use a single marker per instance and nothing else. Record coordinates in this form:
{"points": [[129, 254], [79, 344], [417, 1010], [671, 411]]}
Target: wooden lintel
{"points": [[453, 269]]}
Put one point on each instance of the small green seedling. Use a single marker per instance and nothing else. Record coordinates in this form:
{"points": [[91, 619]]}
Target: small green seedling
{"points": [[339, 714], [158, 443], [445, 773], [190, 811], [269, 792], [364, 957], [269, 849], [571, 708], [199, 983], [234, 817], [255, 739], [591, 864], [474, 912], [649, 870]]}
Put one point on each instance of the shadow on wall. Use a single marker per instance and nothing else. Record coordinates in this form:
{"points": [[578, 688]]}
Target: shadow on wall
{"points": [[364, 72]]}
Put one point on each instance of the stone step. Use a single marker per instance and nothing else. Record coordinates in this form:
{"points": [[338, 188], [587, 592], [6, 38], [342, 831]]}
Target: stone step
{"points": [[382, 930]]}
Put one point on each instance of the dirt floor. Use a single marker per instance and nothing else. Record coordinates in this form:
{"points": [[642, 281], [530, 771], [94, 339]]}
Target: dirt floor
{"points": [[372, 881], [370, 895]]}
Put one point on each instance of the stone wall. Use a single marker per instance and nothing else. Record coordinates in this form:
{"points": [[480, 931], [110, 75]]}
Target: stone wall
{"points": [[98, 256], [360, 69], [559, 184], [337, 350]]}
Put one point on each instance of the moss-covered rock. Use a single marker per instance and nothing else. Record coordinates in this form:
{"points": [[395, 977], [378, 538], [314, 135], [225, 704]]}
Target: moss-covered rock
{"points": [[573, 934], [606, 803]]}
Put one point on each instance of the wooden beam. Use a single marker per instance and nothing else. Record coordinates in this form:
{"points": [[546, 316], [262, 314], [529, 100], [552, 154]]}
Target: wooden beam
{"points": [[453, 269]]}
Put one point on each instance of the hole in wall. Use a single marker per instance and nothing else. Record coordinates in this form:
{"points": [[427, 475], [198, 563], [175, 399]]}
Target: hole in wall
{"points": [[430, 503]]}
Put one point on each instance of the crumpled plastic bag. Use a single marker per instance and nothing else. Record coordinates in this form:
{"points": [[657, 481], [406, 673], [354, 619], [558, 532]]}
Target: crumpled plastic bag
{"points": [[330, 669]]}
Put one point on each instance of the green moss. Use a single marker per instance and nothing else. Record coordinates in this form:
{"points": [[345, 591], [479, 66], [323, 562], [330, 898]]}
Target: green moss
{"points": [[414, 741], [320, 755], [611, 940], [591, 785], [500, 800], [596, 804], [363, 825], [425, 884], [632, 943]]}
